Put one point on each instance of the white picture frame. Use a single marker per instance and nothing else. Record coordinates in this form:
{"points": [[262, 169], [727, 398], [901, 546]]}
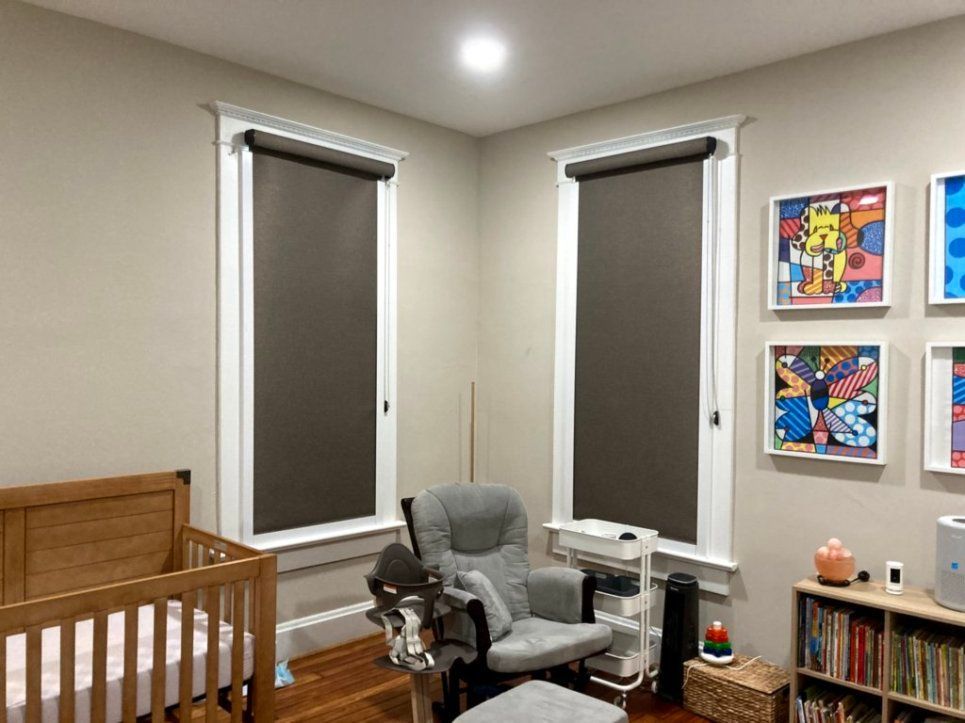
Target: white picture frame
{"points": [[881, 404], [938, 424], [937, 237], [775, 273]]}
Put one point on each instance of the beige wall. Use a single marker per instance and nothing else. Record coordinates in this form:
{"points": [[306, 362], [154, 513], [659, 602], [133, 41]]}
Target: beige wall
{"points": [[108, 265], [888, 108]]}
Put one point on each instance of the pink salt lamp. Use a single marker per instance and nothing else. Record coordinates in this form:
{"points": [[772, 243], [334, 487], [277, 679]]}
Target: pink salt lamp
{"points": [[834, 562]]}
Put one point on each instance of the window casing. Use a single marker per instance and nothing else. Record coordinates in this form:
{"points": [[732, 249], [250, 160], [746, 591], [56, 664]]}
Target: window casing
{"points": [[713, 548], [236, 333]]}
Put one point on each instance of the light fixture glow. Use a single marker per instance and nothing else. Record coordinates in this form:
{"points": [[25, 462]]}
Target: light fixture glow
{"points": [[483, 55]]}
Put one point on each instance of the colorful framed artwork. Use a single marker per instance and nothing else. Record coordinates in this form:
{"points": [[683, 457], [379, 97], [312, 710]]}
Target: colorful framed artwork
{"points": [[945, 407], [831, 249], [826, 400], [947, 236]]}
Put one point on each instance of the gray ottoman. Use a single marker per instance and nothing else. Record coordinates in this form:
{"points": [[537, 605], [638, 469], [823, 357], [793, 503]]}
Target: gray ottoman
{"points": [[537, 701]]}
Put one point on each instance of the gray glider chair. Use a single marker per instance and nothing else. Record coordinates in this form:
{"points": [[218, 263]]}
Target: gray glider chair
{"points": [[520, 621]]}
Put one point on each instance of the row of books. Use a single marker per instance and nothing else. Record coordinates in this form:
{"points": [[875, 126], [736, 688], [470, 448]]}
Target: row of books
{"points": [[819, 704], [928, 665], [840, 641]]}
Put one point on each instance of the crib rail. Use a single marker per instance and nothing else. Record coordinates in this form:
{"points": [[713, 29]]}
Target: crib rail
{"points": [[228, 581]]}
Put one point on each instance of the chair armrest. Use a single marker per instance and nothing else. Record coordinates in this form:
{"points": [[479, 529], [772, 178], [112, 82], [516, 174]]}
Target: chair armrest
{"points": [[464, 603], [457, 599], [561, 594]]}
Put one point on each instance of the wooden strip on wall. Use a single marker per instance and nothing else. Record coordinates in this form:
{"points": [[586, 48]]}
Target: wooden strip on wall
{"points": [[129, 694], [102, 509], [34, 663], [13, 556], [186, 681], [67, 665], [158, 669], [98, 695], [212, 604], [3, 676], [75, 533], [89, 553], [48, 583], [237, 649]]}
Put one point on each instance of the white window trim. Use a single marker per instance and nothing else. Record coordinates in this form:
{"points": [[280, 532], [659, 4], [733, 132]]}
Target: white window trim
{"points": [[235, 332], [714, 547]]}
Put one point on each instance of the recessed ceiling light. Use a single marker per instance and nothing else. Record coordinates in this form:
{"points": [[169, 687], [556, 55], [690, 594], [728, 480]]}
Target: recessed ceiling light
{"points": [[483, 55]]}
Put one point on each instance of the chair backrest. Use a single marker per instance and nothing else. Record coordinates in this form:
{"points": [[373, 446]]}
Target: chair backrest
{"points": [[461, 527]]}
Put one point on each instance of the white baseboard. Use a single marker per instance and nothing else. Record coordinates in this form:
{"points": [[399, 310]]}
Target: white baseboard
{"points": [[322, 630]]}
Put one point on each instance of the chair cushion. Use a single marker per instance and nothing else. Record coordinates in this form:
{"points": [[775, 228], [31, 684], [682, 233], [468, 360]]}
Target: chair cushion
{"points": [[535, 643], [497, 614], [461, 527], [540, 702]]}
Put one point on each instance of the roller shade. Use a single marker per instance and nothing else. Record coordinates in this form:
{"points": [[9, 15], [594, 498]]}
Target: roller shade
{"points": [[347, 162], [315, 253], [697, 149], [637, 373]]}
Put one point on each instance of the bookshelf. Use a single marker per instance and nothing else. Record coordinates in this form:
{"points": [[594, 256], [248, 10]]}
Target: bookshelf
{"points": [[914, 606]]}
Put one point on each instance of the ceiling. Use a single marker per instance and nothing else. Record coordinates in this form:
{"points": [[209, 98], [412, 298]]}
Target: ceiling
{"points": [[563, 55]]}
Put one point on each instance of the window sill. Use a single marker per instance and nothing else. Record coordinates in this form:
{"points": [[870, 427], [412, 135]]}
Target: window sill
{"points": [[712, 573], [323, 549]]}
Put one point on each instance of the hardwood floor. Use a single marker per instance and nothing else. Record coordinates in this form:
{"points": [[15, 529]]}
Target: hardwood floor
{"points": [[342, 684]]}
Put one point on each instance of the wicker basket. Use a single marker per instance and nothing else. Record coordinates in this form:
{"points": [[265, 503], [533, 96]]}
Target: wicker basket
{"points": [[756, 693]]}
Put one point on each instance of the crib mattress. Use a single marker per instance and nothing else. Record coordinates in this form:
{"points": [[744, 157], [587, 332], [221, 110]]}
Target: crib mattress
{"points": [[84, 644]]}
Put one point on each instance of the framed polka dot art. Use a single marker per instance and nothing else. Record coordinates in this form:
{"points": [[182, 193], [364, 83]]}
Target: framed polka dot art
{"points": [[945, 407], [826, 400], [831, 249], [947, 239]]}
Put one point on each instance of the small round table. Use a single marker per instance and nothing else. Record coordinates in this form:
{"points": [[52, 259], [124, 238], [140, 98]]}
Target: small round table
{"points": [[445, 654]]}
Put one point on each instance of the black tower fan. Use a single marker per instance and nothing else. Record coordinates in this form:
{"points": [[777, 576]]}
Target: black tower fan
{"points": [[679, 640]]}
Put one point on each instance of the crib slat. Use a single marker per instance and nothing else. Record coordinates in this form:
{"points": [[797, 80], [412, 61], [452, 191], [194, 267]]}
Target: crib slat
{"points": [[67, 654], [129, 695], [159, 663], [212, 599], [237, 649], [98, 696], [186, 683], [34, 661], [3, 678]]}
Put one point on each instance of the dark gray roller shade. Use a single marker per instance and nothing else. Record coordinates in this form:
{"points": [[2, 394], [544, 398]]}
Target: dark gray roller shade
{"points": [[698, 148], [368, 167], [638, 349], [315, 342]]}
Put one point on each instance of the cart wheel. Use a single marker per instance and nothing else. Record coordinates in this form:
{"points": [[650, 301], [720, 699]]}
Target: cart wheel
{"points": [[621, 701], [653, 687]]}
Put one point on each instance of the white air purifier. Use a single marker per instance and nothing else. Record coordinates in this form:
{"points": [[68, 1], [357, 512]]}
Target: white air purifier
{"points": [[950, 563]]}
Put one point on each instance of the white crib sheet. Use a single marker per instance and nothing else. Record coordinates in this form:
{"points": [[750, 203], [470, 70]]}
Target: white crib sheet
{"points": [[84, 643]]}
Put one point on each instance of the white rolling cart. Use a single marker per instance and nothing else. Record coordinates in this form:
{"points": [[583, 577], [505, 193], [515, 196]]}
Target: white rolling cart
{"points": [[628, 656]]}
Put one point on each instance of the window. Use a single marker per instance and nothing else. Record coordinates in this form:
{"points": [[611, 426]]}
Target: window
{"points": [[645, 335], [306, 331]]}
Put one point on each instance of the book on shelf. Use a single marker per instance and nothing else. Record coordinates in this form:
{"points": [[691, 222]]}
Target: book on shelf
{"points": [[928, 665], [821, 704], [840, 642]]}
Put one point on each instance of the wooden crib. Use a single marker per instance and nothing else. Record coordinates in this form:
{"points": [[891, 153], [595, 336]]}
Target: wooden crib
{"points": [[87, 562]]}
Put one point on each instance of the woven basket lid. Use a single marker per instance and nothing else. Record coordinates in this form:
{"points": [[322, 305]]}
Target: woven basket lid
{"points": [[760, 675]]}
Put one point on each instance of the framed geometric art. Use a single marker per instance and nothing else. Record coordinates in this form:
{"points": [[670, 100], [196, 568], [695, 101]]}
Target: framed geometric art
{"points": [[945, 407], [947, 239], [831, 249], [826, 400]]}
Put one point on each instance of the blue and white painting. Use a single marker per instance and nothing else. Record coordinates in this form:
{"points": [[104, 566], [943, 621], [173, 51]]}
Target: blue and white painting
{"points": [[954, 223]]}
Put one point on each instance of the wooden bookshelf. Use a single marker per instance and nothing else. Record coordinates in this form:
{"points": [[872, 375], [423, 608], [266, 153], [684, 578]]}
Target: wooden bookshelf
{"points": [[914, 603]]}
